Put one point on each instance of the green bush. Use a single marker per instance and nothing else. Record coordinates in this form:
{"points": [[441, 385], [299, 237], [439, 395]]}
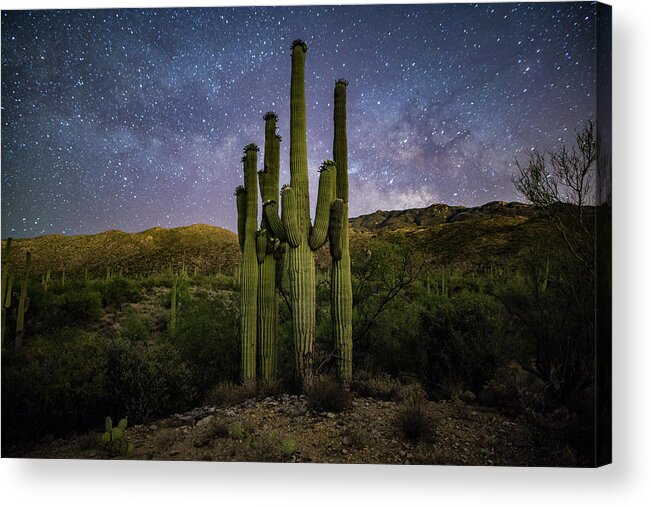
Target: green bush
{"points": [[133, 328], [464, 340], [80, 305], [53, 385], [207, 338], [69, 380], [147, 380], [118, 291]]}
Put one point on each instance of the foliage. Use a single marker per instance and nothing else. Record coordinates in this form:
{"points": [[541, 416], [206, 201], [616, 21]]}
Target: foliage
{"points": [[465, 339], [412, 418], [207, 338], [380, 387], [227, 394], [327, 395], [118, 291], [133, 329], [147, 380], [114, 438]]}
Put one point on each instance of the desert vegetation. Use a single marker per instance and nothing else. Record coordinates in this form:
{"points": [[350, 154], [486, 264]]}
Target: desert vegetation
{"points": [[425, 322]]}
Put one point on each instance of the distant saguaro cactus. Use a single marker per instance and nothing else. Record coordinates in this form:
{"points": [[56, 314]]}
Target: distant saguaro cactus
{"points": [[249, 272], [6, 286], [295, 225], [20, 317], [341, 292]]}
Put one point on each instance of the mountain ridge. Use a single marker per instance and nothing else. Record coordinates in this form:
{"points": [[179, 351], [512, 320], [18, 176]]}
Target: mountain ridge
{"points": [[444, 233]]}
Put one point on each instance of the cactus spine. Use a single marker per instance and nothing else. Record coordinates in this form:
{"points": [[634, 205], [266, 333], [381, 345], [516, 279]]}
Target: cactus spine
{"points": [[341, 293], [20, 318], [249, 272], [295, 225], [266, 245]]}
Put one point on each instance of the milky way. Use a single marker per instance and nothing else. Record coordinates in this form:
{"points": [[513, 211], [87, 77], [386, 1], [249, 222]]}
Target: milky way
{"points": [[130, 119]]}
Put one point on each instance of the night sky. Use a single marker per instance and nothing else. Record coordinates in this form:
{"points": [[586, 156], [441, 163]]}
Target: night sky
{"points": [[130, 119]]}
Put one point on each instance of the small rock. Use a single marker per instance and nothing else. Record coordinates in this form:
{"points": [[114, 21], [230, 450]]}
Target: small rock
{"points": [[203, 422], [345, 441], [330, 415], [153, 427]]}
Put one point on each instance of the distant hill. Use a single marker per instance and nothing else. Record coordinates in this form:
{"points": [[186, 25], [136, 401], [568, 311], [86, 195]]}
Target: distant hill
{"points": [[494, 232], [206, 247]]}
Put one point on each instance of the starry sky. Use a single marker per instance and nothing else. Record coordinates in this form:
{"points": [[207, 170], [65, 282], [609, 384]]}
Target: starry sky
{"points": [[130, 119]]}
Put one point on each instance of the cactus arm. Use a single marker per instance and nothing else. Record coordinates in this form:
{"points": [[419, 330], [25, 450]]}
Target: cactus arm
{"points": [[261, 241], [319, 233], [240, 196], [270, 209], [289, 217], [335, 229]]}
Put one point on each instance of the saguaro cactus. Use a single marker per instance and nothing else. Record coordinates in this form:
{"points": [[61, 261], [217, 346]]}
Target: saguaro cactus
{"points": [[249, 272], [6, 286], [267, 244], [295, 225], [341, 293], [20, 317]]}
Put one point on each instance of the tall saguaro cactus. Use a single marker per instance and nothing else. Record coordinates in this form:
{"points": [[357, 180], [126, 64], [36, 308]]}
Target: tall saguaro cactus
{"points": [[267, 245], [247, 200], [20, 317], [341, 293], [295, 225]]}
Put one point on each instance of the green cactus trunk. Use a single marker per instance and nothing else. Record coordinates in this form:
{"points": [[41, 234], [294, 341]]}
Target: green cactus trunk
{"points": [[295, 227], [341, 293], [267, 301], [20, 317], [5, 263], [249, 272], [6, 287], [300, 258]]}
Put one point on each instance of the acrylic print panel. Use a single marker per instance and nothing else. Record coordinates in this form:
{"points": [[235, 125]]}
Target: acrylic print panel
{"points": [[336, 234]]}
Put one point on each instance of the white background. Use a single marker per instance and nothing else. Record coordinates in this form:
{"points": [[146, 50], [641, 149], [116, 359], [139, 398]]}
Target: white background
{"points": [[626, 482]]}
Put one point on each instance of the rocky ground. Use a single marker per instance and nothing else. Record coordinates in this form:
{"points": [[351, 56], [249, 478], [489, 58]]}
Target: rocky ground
{"points": [[283, 429]]}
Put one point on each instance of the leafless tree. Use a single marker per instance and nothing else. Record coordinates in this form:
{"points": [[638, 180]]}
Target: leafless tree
{"points": [[562, 184]]}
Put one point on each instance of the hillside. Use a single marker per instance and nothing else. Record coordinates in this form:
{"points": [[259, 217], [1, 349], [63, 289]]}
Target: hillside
{"points": [[493, 232]]}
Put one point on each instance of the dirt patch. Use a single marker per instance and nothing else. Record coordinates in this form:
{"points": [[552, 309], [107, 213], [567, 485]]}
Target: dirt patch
{"points": [[284, 429]]}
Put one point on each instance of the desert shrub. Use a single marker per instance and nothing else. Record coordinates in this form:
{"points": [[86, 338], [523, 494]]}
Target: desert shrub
{"points": [[412, 418], [380, 387], [225, 282], [207, 338], [464, 340], [217, 429], [237, 431], [227, 394], [327, 395], [80, 305], [53, 385], [118, 291], [147, 380], [132, 328], [288, 447]]}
